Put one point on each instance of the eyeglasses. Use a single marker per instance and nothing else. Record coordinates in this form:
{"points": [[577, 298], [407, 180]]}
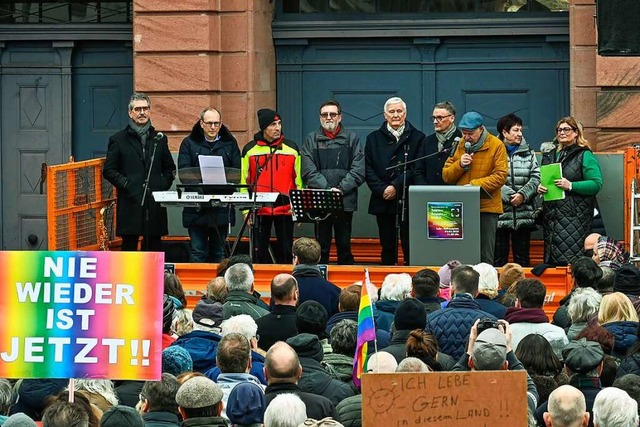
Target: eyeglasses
{"points": [[565, 130], [212, 124], [141, 109], [438, 119], [327, 115]]}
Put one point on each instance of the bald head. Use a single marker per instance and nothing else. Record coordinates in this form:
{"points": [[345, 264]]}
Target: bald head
{"points": [[281, 364], [590, 241], [382, 362], [284, 289], [567, 408]]}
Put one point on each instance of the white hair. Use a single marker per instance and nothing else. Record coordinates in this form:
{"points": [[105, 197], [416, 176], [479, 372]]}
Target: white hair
{"points": [[583, 304], [285, 410], [412, 364], [183, 322], [242, 324], [382, 362], [239, 277], [396, 287], [395, 100], [488, 282], [104, 388], [614, 407]]}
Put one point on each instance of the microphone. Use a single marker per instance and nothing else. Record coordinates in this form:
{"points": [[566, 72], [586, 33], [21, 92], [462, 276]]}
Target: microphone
{"points": [[158, 136], [467, 149]]}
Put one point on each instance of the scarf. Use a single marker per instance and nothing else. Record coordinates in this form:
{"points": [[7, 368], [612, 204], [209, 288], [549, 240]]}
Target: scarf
{"points": [[475, 147], [331, 135], [397, 133], [141, 131], [525, 315], [445, 136]]}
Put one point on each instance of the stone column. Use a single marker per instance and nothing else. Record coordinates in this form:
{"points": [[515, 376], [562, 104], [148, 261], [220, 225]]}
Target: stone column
{"points": [[190, 54]]}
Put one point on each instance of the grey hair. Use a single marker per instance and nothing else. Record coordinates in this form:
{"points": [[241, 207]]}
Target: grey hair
{"points": [[395, 287], [412, 364], [395, 100], [104, 388], [614, 407], [446, 105], [568, 410], [5, 396], [203, 112], [382, 362], [285, 410], [138, 96], [239, 277], [344, 337], [242, 324], [583, 304]]}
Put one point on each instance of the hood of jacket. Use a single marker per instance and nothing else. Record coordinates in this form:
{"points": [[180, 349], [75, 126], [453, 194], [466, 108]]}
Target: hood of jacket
{"points": [[307, 345], [625, 335], [306, 270], [463, 301]]}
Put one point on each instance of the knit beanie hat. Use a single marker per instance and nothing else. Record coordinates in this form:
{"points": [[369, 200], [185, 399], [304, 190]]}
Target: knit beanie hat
{"points": [[311, 317], [445, 272], [176, 360], [19, 420], [511, 273], [118, 416], [627, 280], [307, 345], [246, 404], [410, 314], [267, 116]]}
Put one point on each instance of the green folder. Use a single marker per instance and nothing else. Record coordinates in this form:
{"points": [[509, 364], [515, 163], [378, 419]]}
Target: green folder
{"points": [[548, 174]]}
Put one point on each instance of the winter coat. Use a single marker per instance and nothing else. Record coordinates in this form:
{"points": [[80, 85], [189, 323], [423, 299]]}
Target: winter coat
{"points": [[488, 170], [196, 145], [523, 177], [589, 387], [341, 366], [567, 222], [629, 365], [205, 422], [257, 368], [228, 382], [126, 168], [278, 325], [318, 407], [272, 167], [625, 336], [382, 151], [491, 306], [451, 326], [338, 162], [241, 302], [160, 419], [382, 337], [527, 321], [429, 170], [398, 349], [312, 286], [202, 346], [350, 410], [385, 314]]}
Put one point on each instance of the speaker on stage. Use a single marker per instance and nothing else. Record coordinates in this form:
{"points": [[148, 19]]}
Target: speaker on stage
{"points": [[618, 27]]}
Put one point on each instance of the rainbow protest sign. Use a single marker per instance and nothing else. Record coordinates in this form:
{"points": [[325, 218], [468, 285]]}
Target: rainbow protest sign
{"points": [[81, 315]]}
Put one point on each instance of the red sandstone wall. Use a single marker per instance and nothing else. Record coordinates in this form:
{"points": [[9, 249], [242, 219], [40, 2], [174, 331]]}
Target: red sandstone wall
{"points": [[189, 54]]}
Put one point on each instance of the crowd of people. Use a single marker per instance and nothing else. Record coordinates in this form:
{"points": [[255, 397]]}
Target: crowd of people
{"points": [[234, 359], [332, 158]]}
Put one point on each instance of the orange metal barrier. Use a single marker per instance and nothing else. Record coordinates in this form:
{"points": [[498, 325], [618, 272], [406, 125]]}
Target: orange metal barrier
{"points": [[76, 194], [194, 278]]}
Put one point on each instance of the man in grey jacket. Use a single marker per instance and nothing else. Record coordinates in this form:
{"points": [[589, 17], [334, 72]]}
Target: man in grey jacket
{"points": [[333, 159]]}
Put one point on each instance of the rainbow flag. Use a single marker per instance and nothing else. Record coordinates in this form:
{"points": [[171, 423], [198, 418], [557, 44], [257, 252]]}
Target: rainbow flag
{"points": [[366, 330]]}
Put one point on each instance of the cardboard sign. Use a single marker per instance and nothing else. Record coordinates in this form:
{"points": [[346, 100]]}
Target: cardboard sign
{"points": [[81, 315], [443, 399]]}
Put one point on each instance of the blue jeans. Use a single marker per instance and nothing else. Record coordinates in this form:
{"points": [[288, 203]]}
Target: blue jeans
{"points": [[207, 243]]}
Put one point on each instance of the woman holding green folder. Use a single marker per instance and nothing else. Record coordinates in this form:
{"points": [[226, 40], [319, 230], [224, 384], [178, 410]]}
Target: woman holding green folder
{"points": [[567, 218]]}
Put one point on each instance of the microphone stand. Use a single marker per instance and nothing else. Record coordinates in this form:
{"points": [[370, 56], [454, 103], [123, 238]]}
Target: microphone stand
{"points": [[144, 203], [443, 151], [400, 216]]}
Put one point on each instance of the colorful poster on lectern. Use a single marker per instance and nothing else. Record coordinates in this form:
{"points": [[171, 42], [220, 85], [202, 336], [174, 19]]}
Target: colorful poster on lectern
{"points": [[81, 315], [444, 220]]}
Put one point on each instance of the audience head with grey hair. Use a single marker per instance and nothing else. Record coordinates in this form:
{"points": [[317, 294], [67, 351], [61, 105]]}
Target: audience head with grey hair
{"points": [[65, 413], [566, 408], [239, 277], [6, 396], [244, 325], [281, 364], [103, 388], [614, 408], [395, 287], [412, 364], [344, 336], [284, 290], [382, 362], [606, 282], [583, 305], [160, 396], [285, 410]]}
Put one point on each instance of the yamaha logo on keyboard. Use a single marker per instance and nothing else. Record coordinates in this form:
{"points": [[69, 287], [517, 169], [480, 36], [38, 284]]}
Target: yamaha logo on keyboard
{"points": [[194, 197]]}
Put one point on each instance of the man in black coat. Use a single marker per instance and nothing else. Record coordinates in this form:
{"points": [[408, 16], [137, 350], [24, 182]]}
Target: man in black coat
{"points": [[396, 141], [208, 227], [438, 145], [131, 154], [158, 402], [280, 323]]}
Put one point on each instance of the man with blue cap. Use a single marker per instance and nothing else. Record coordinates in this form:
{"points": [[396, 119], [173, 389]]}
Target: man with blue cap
{"points": [[480, 159]]}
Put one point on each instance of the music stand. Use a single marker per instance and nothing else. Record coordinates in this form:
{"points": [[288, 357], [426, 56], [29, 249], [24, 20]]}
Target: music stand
{"points": [[312, 205]]}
